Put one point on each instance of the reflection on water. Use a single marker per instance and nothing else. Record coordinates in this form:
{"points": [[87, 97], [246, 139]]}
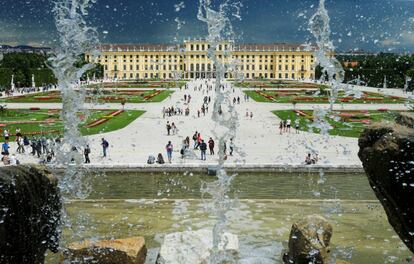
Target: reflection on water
{"points": [[151, 205]]}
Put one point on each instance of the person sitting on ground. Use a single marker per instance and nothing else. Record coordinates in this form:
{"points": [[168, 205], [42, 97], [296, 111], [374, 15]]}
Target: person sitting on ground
{"points": [[160, 159], [13, 160], [151, 159], [311, 160], [5, 159]]}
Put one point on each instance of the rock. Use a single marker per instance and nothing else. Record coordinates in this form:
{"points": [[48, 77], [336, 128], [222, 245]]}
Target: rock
{"points": [[405, 119], [309, 241], [126, 251], [30, 208], [194, 247], [387, 154]]}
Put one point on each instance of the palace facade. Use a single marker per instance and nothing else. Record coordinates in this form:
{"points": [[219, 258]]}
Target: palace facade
{"points": [[190, 60]]}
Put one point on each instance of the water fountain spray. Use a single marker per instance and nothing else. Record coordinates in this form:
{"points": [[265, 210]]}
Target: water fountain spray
{"points": [[76, 38], [319, 27], [220, 32]]}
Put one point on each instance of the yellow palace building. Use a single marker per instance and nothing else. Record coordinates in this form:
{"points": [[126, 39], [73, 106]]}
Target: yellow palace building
{"points": [[190, 60]]}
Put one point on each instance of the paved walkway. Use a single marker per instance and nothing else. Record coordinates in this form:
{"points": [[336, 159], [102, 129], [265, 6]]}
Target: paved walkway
{"points": [[257, 137]]}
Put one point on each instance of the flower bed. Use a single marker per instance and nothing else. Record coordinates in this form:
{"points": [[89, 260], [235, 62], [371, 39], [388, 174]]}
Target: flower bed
{"points": [[374, 99], [150, 96], [103, 119], [269, 97]]}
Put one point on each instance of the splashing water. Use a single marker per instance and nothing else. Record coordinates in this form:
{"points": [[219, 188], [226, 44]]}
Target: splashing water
{"points": [[320, 29], [75, 39], [226, 119]]}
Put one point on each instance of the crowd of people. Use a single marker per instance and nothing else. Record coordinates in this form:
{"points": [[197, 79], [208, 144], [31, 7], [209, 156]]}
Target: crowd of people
{"points": [[27, 90], [196, 143], [285, 126], [42, 147]]}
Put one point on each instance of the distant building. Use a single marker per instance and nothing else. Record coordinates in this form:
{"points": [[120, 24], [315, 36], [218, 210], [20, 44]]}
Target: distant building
{"points": [[190, 60]]}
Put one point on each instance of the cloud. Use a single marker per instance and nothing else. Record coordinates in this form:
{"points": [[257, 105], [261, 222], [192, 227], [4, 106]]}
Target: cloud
{"points": [[407, 38], [390, 42]]}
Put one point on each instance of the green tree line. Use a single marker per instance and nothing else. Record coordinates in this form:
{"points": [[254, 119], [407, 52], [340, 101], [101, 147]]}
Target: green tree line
{"points": [[372, 69], [24, 65]]}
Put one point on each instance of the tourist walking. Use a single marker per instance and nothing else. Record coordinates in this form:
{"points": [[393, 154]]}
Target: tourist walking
{"points": [[20, 145], [288, 124], [105, 146], [168, 126], [203, 148], [5, 148], [174, 128], [297, 126], [86, 152], [33, 145], [231, 147], [211, 146], [26, 143], [281, 127], [169, 148], [195, 140], [6, 134], [18, 132], [38, 147]]}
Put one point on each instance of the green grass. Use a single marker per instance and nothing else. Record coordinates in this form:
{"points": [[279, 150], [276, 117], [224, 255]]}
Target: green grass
{"points": [[340, 128], [31, 98], [118, 122], [149, 85], [257, 97], [282, 85], [289, 99]]}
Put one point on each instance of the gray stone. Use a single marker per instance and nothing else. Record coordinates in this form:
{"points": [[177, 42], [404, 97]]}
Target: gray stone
{"points": [[387, 155], [29, 214]]}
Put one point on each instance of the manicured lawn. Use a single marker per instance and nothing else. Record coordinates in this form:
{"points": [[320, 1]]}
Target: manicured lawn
{"points": [[278, 84], [130, 96], [302, 96], [351, 126], [48, 122], [115, 123], [143, 84]]}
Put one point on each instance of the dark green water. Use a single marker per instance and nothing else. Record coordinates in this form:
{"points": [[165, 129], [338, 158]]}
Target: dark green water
{"points": [[245, 186]]}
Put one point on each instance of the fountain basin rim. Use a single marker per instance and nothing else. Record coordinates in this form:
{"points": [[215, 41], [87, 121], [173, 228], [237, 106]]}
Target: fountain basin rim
{"points": [[205, 167]]}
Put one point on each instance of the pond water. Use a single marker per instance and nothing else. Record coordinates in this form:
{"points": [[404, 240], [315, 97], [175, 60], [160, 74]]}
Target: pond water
{"points": [[151, 205]]}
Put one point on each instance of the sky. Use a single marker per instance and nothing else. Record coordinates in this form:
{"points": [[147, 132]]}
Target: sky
{"points": [[370, 25]]}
